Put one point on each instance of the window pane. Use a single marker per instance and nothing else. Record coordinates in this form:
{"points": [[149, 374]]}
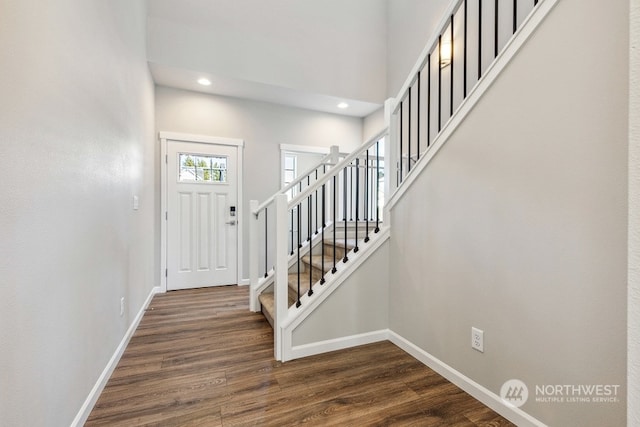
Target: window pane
{"points": [[289, 162], [288, 176], [199, 168]]}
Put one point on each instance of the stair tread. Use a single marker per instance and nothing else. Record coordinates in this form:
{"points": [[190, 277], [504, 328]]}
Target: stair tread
{"points": [[348, 244], [304, 286], [267, 301], [316, 260], [293, 282]]}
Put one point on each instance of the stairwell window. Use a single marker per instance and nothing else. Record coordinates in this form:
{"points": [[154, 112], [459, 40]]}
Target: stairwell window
{"points": [[290, 171]]}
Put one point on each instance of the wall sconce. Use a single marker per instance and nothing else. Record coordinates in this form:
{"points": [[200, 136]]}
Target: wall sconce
{"points": [[445, 53]]}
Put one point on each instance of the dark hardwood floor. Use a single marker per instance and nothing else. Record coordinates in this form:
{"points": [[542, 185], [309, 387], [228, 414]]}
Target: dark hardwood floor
{"points": [[200, 358]]}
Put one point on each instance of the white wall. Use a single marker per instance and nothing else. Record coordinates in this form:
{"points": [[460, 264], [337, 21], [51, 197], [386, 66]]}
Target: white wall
{"points": [[331, 47], [358, 306], [633, 331], [519, 224], [373, 124], [410, 25], [76, 143], [306, 161], [262, 126]]}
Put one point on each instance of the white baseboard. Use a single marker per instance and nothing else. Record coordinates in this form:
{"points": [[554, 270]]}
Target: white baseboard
{"points": [[244, 282], [338, 343], [484, 395], [93, 396]]}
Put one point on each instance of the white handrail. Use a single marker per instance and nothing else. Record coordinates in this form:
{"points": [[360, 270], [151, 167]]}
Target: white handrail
{"points": [[339, 166]]}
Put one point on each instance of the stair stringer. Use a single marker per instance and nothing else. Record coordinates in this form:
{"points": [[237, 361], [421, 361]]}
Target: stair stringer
{"points": [[366, 257]]}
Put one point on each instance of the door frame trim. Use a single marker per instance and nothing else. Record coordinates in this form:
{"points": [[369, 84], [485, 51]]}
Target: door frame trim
{"points": [[164, 138]]}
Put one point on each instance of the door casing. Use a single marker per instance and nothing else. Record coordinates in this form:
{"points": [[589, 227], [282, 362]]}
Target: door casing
{"points": [[165, 137]]}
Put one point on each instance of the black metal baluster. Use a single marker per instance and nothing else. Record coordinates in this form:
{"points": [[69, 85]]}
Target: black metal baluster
{"points": [[418, 114], [409, 136], [345, 259], [451, 64], [351, 192], [316, 203], [535, 2], [310, 263], [266, 244], [324, 212], [335, 213], [299, 213], [428, 100], [367, 198], [377, 186], [401, 130], [344, 194], [291, 232], [298, 303], [515, 15], [324, 224], [309, 213], [495, 25], [464, 58], [356, 249], [439, 82], [479, 39]]}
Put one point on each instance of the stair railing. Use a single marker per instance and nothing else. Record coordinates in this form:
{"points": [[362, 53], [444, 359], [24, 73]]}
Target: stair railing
{"points": [[351, 196], [468, 41], [262, 226]]}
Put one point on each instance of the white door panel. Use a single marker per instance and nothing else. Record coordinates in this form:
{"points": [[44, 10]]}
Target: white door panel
{"points": [[202, 234]]}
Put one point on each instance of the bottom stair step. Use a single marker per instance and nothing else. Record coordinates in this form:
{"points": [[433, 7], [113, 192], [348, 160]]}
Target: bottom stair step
{"points": [[268, 304]]}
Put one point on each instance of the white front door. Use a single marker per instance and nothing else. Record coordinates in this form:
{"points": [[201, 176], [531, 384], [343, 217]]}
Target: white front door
{"points": [[202, 230]]}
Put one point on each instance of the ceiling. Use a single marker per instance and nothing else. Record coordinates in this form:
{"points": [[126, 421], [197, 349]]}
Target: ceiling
{"points": [[187, 79], [301, 53]]}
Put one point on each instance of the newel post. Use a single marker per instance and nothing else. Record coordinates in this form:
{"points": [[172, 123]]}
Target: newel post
{"points": [[254, 242], [335, 154], [281, 288]]}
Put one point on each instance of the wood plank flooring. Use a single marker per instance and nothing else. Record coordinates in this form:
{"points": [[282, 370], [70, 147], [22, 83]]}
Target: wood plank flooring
{"points": [[200, 358]]}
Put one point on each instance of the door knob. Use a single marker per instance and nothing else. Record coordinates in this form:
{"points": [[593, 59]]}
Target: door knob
{"points": [[232, 222]]}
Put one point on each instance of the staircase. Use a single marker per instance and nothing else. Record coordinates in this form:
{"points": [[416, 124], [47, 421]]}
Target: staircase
{"points": [[313, 268], [302, 238]]}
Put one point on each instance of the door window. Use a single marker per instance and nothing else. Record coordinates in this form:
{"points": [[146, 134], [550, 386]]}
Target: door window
{"points": [[201, 168]]}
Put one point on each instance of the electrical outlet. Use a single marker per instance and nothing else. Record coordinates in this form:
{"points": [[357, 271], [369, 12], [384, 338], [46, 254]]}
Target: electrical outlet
{"points": [[477, 339], [122, 306]]}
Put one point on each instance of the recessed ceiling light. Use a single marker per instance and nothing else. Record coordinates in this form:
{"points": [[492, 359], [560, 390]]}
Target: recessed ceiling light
{"points": [[204, 82], [343, 105]]}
